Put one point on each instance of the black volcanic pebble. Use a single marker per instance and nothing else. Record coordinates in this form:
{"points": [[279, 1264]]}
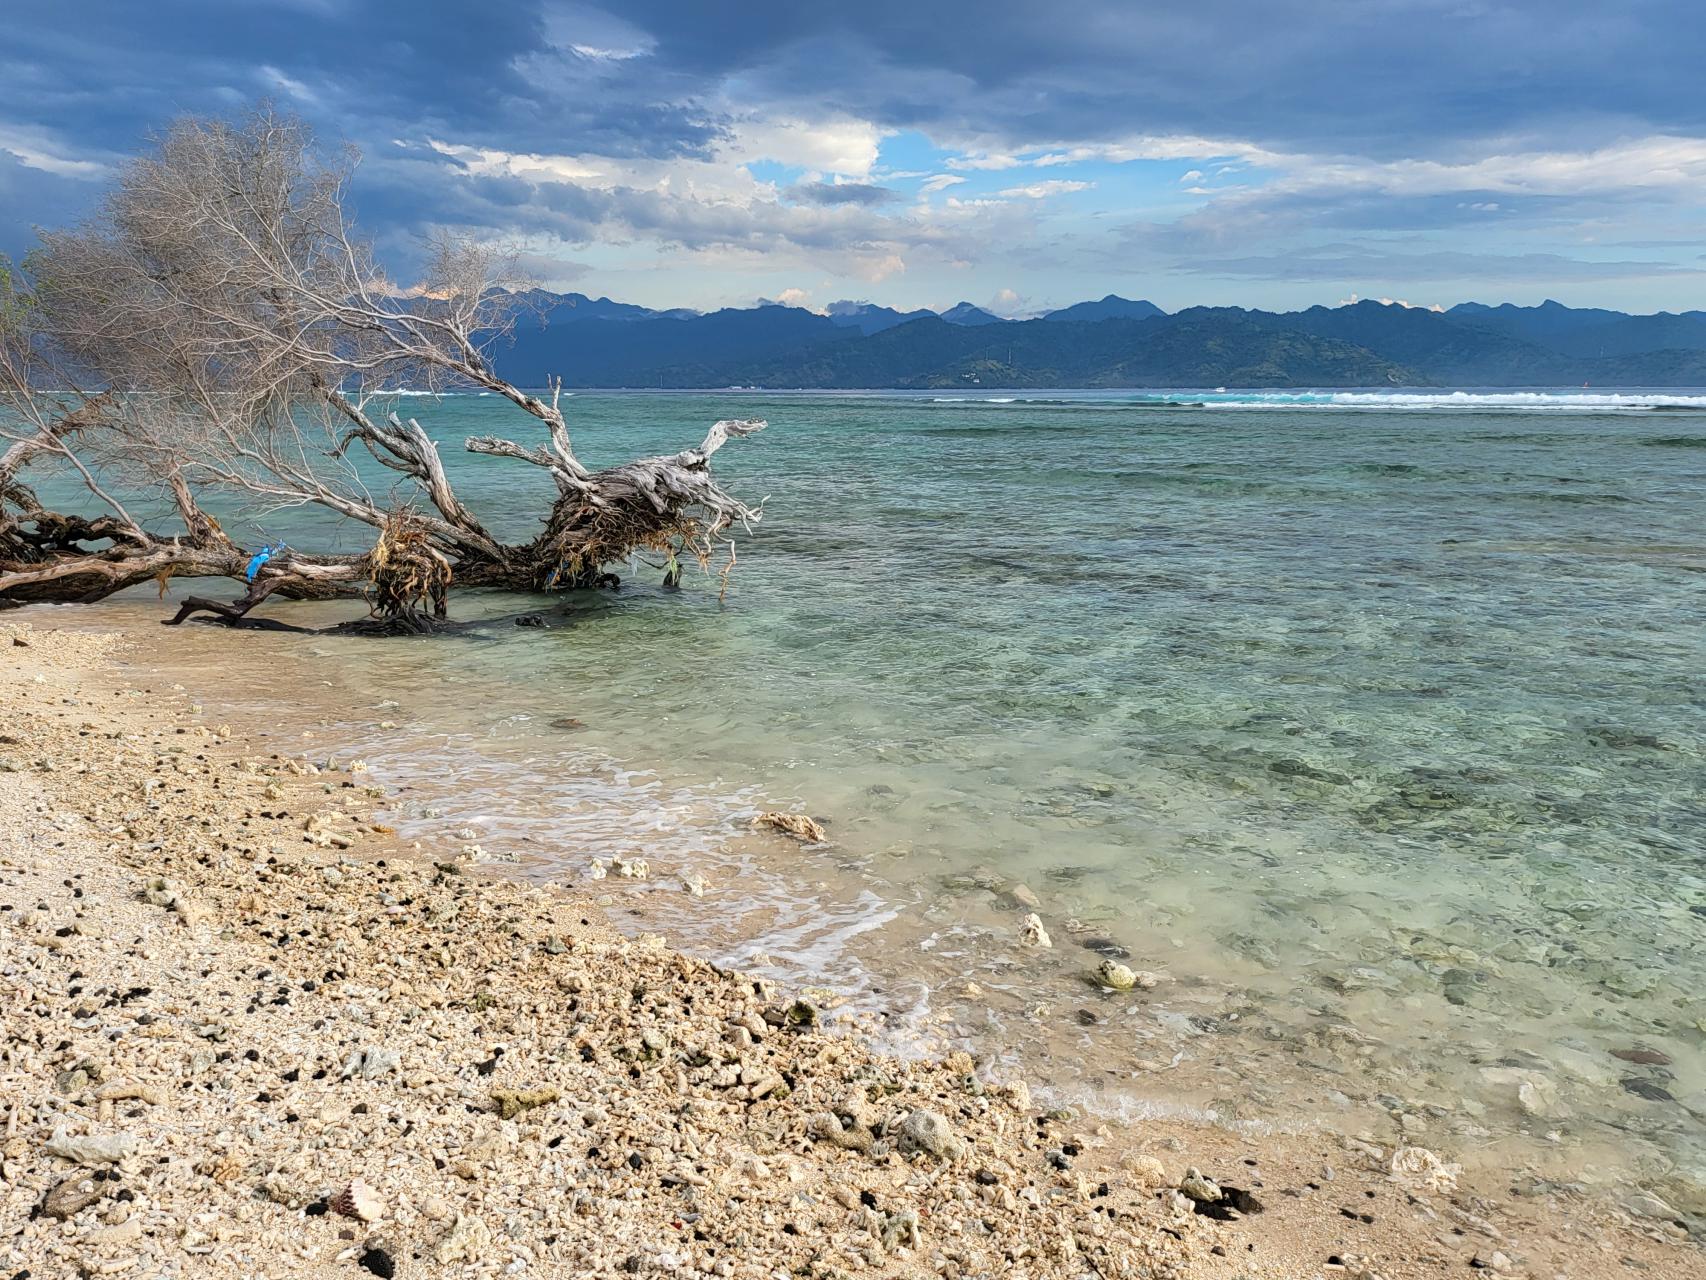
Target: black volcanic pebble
{"points": [[379, 1263]]}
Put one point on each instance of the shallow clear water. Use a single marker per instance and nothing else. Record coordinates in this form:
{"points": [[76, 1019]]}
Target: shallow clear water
{"points": [[1376, 725]]}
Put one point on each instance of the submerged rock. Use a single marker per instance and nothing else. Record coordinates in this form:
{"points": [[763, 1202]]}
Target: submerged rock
{"points": [[1113, 974], [1032, 933]]}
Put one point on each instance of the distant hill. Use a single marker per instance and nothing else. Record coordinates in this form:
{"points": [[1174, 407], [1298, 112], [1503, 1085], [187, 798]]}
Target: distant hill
{"points": [[868, 318], [1113, 342], [1111, 307], [1589, 331], [965, 314]]}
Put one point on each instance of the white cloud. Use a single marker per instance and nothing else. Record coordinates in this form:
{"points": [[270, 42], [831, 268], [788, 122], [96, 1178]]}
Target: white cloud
{"points": [[1391, 302], [984, 161], [35, 149], [839, 146], [593, 34], [1043, 190], [1191, 175], [939, 182], [290, 86]]}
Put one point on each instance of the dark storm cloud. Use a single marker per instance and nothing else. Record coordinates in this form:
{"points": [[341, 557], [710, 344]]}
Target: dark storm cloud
{"points": [[1377, 77]]}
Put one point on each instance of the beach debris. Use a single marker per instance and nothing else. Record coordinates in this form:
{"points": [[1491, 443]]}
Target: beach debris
{"points": [[630, 868], [799, 825], [329, 829], [1212, 1200], [1197, 1187], [468, 1239], [90, 1149], [378, 1260], [900, 1230], [1032, 933], [597, 869], [693, 884], [926, 1131], [370, 1062], [512, 1102], [75, 1194], [1420, 1168], [358, 1200]]}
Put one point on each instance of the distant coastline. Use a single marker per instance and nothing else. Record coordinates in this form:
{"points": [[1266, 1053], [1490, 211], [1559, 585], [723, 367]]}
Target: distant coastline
{"points": [[1117, 344]]}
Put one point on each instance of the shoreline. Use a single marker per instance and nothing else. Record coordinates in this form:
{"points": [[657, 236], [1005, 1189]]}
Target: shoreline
{"points": [[173, 861]]}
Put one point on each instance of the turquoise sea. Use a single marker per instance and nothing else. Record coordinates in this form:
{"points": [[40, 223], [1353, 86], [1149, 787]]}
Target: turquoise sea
{"points": [[1376, 724]]}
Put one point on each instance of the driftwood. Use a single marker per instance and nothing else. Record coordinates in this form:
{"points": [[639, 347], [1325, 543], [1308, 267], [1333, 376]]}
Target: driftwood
{"points": [[238, 339]]}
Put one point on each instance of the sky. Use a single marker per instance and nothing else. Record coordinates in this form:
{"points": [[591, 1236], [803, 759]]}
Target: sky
{"points": [[1017, 154]]}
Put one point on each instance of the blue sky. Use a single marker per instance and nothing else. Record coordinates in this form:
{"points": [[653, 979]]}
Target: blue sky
{"points": [[1273, 153]]}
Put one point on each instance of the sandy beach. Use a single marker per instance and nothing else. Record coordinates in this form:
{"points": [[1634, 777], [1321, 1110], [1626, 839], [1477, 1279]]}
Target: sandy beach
{"points": [[249, 1031]]}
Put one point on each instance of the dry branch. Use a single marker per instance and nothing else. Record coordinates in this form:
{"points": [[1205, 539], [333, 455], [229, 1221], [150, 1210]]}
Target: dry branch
{"points": [[237, 333]]}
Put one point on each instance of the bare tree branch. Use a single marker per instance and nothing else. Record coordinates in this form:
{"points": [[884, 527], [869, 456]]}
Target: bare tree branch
{"points": [[236, 330]]}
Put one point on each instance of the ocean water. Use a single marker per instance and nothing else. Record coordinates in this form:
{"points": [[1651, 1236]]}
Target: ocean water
{"points": [[1374, 723]]}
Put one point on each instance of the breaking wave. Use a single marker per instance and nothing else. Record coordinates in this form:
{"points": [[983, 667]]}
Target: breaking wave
{"points": [[1384, 401]]}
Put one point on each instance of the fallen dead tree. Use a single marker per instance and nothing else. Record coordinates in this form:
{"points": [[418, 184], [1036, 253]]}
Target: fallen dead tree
{"points": [[220, 329]]}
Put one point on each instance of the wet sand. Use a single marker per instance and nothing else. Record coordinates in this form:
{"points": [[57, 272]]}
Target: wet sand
{"points": [[251, 1031]]}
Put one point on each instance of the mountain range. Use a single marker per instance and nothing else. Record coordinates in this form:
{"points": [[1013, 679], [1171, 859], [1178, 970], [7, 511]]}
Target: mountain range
{"points": [[1112, 342]]}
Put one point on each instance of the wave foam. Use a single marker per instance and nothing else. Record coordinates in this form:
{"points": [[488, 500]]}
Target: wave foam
{"points": [[1388, 401]]}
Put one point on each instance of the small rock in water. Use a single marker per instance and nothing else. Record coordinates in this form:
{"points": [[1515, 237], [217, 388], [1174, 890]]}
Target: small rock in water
{"points": [[799, 825], [1032, 933], [1116, 975], [1647, 1089], [1643, 1057], [1111, 973], [1102, 946], [693, 884], [596, 870], [1419, 1167], [631, 868], [1022, 895]]}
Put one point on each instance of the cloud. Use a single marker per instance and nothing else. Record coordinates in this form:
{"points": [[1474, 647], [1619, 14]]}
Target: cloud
{"points": [[984, 162], [1043, 190], [36, 148], [763, 143], [862, 193], [1342, 262]]}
